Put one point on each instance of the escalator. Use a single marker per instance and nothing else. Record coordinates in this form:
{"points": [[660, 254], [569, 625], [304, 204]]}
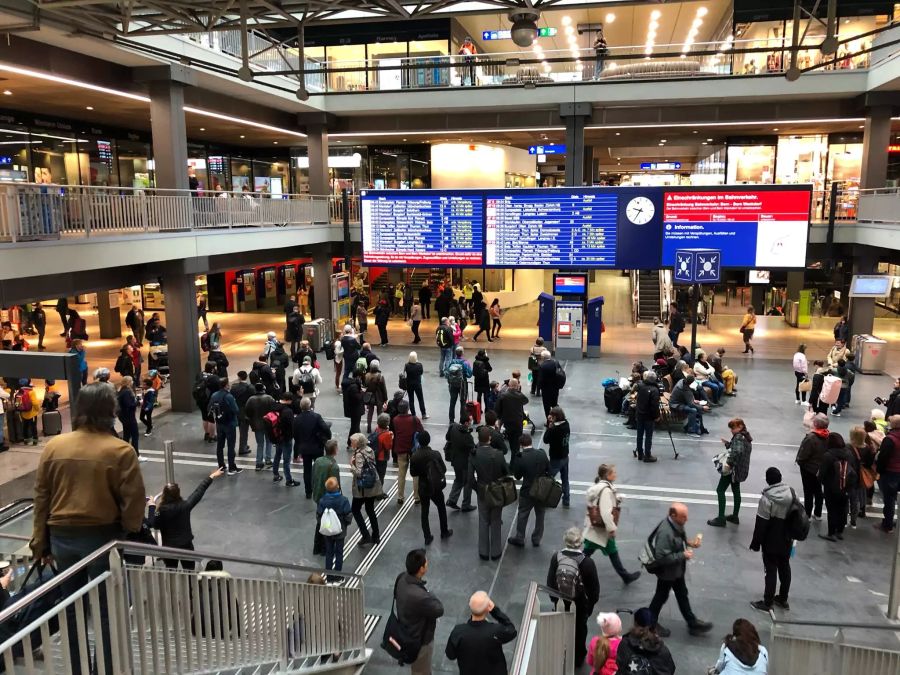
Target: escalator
{"points": [[16, 530], [648, 296]]}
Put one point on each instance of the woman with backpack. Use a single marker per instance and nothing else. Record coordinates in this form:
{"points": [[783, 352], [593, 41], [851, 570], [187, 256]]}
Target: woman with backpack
{"points": [[127, 413], [306, 380], [25, 404], [838, 478], [414, 372], [170, 513], [481, 368], [375, 395], [734, 467], [601, 521], [863, 464], [366, 488]]}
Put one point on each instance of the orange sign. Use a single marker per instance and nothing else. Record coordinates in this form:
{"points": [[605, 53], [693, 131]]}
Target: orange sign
{"points": [[894, 148]]}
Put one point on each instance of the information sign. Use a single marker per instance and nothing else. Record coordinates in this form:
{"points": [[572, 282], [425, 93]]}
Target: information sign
{"points": [[546, 149]]}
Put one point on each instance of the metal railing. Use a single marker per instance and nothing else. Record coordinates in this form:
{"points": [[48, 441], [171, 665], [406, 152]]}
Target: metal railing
{"points": [[31, 212], [879, 206], [546, 641], [821, 648], [145, 619]]}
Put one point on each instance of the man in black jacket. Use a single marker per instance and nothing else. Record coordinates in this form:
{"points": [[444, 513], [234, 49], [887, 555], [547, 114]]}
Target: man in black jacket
{"points": [[497, 439], [458, 451], [549, 381], [310, 432], [38, 319], [487, 465], [417, 609], [683, 400], [528, 464], [242, 391], [350, 345], [809, 459], [511, 411], [888, 465], [255, 410], [676, 325], [562, 576], [770, 534], [293, 331], [352, 397], [425, 300], [382, 314], [135, 322], [477, 645], [428, 466], [646, 412]]}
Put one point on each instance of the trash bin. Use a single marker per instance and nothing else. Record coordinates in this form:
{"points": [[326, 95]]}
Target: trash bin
{"points": [[870, 354]]}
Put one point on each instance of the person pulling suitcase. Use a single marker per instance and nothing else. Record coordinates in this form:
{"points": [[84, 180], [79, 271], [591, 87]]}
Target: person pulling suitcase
{"points": [[51, 418]]}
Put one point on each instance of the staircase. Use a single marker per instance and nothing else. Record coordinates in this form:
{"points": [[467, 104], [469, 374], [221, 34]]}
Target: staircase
{"points": [[648, 296]]}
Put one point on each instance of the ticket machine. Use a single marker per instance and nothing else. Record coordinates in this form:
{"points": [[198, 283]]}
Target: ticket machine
{"points": [[571, 289]]}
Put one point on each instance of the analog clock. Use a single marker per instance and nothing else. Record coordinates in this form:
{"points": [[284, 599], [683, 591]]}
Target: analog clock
{"points": [[640, 210]]}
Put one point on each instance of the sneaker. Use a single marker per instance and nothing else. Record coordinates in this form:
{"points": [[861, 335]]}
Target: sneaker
{"points": [[782, 603], [662, 631], [699, 627], [148, 434], [631, 577], [400, 501], [836, 414], [447, 534], [761, 606], [260, 467], [234, 471], [733, 519], [268, 462], [452, 505], [424, 417], [291, 483], [649, 459], [716, 522], [244, 453], [693, 435], [276, 478], [142, 459]]}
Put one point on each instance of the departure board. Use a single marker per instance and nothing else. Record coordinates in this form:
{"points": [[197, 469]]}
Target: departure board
{"points": [[551, 228], [432, 228]]}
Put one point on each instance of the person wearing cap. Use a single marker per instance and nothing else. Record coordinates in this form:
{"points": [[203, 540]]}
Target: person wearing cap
{"points": [[477, 645], [771, 535], [671, 551], [642, 647], [29, 417], [604, 648]]}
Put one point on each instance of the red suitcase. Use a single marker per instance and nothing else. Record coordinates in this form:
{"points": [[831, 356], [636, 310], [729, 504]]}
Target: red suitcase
{"points": [[474, 410]]}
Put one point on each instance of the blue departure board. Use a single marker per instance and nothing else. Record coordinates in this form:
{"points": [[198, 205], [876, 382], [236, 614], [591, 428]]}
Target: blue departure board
{"points": [[433, 228], [551, 228]]}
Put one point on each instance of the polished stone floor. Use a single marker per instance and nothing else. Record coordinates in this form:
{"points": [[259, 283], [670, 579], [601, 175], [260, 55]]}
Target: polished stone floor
{"points": [[832, 582]]}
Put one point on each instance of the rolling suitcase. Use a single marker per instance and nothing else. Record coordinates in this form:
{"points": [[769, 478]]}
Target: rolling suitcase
{"points": [[51, 423], [474, 410]]}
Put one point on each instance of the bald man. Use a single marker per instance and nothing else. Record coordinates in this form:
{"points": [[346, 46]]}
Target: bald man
{"points": [[671, 551], [477, 645]]}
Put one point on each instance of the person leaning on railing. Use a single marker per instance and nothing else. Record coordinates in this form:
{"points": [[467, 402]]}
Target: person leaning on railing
{"points": [[88, 491]]}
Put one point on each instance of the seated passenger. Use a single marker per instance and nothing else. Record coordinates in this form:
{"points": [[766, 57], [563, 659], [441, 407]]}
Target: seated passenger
{"points": [[725, 374], [705, 374], [682, 400]]}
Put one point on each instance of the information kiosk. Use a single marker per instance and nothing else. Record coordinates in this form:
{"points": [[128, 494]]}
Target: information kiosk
{"points": [[571, 289]]}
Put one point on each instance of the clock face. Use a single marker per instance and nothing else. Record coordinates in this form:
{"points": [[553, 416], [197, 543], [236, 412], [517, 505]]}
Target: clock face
{"points": [[640, 210]]}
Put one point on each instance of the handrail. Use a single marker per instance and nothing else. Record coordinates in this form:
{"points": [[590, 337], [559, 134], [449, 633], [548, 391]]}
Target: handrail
{"points": [[828, 624], [158, 552], [18, 502], [525, 629]]}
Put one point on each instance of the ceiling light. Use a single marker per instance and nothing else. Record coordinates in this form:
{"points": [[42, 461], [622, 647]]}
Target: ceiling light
{"points": [[704, 143], [663, 140], [7, 92], [696, 132], [89, 107], [202, 128], [242, 136], [709, 139], [697, 23], [610, 17], [566, 20], [238, 120], [618, 133], [661, 144], [404, 139], [618, 158], [570, 30], [702, 11], [775, 129], [655, 14], [274, 142], [654, 25]]}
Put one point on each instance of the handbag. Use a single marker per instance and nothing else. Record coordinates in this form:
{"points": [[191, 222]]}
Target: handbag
{"points": [[721, 463], [867, 475], [546, 492], [596, 517], [805, 385], [501, 492], [396, 639]]}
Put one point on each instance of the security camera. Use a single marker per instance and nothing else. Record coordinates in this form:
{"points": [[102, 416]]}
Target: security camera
{"points": [[524, 27]]}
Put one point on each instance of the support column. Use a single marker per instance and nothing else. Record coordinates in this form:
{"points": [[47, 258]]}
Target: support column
{"points": [[317, 145], [108, 314], [575, 116], [861, 311], [758, 298], [795, 281], [184, 345], [166, 87], [876, 138], [322, 285], [588, 170]]}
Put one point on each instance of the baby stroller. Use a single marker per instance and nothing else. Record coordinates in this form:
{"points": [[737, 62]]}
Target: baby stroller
{"points": [[159, 360]]}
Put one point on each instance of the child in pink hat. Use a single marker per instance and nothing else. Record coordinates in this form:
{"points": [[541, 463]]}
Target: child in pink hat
{"points": [[601, 656]]}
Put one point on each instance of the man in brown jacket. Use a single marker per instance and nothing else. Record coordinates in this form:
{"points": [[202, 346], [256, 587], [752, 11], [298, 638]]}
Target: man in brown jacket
{"points": [[88, 491]]}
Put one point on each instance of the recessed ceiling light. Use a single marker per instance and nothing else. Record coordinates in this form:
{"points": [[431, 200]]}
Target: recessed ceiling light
{"points": [[404, 139], [618, 158], [618, 133], [242, 136], [661, 144], [709, 140], [90, 107], [702, 11], [566, 20], [610, 17], [7, 92], [275, 142], [704, 143], [202, 128], [655, 14], [862, 126], [343, 141], [663, 140], [775, 129]]}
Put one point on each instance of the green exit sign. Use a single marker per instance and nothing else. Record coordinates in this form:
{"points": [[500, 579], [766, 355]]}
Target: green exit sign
{"points": [[546, 32]]}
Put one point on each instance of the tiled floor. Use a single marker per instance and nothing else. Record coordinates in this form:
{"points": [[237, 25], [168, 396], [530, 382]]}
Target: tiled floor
{"points": [[840, 582]]}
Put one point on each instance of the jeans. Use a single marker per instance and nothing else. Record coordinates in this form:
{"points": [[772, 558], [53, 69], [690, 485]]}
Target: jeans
{"points": [[446, 355], [842, 400], [889, 483], [812, 493], [225, 432], [801, 395], [495, 327], [779, 565], [283, 450], [717, 389], [438, 500], [68, 550], [414, 391], [334, 553], [837, 512], [694, 423], [415, 332], [645, 427], [663, 587], [263, 448], [598, 66], [673, 336], [561, 467], [461, 484], [130, 433], [724, 482], [457, 393], [147, 419], [369, 503], [526, 505]]}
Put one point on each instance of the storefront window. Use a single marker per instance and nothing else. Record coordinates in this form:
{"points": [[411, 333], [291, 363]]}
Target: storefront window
{"points": [[801, 159], [56, 160], [399, 167], [751, 164], [218, 167], [271, 176], [133, 160], [844, 167], [197, 167], [15, 155], [315, 60], [346, 56], [241, 174], [391, 57]]}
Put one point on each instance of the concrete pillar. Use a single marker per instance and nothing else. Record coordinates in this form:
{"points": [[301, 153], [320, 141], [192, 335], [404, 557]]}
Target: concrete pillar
{"points": [[317, 144], [861, 311], [758, 297], [169, 135], [588, 170], [110, 322], [876, 138], [184, 344], [795, 281], [575, 116], [322, 285]]}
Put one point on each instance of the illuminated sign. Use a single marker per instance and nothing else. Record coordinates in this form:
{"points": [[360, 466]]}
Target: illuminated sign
{"points": [[660, 166], [507, 34], [546, 149]]}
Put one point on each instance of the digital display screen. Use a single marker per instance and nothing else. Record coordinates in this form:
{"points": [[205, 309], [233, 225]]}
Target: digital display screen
{"points": [[569, 284], [752, 228], [551, 228], [759, 276], [417, 227], [870, 286], [343, 288]]}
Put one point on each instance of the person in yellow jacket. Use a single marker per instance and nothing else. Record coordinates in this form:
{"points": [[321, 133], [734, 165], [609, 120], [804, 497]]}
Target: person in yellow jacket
{"points": [[27, 405], [748, 325]]}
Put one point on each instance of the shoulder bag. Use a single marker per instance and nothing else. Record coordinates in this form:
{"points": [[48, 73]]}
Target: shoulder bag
{"points": [[501, 492], [396, 639], [546, 492]]}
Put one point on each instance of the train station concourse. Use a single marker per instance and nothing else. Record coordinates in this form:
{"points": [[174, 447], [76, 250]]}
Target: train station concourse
{"points": [[450, 336]]}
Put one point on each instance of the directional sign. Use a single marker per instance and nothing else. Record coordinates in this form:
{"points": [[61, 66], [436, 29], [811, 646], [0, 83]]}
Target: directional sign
{"points": [[660, 166], [546, 149], [697, 265], [506, 34]]}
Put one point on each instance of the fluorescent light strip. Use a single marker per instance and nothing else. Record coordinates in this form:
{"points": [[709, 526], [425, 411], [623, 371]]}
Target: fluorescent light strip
{"points": [[241, 120], [461, 132], [829, 120]]}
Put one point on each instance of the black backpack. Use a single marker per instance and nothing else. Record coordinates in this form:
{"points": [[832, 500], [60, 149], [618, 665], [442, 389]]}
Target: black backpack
{"points": [[796, 521], [122, 363], [200, 392], [612, 398], [306, 381], [329, 349], [279, 357]]}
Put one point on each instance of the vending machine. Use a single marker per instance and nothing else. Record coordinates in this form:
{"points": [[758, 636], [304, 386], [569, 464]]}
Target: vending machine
{"points": [[571, 289]]}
